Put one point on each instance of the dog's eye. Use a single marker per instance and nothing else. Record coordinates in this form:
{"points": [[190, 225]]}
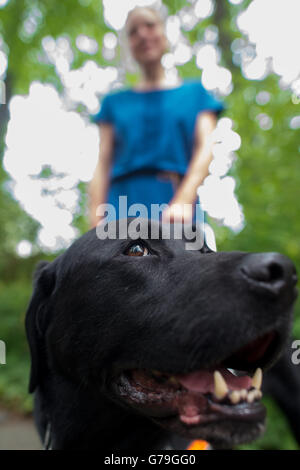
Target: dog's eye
{"points": [[137, 250]]}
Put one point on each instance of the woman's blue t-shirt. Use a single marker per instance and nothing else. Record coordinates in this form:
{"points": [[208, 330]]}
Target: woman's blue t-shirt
{"points": [[154, 130]]}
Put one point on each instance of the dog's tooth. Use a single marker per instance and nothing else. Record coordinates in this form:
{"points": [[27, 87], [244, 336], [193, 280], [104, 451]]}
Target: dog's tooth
{"points": [[257, 394], [257, 379], [221, 388], [243, 394], [251, 396], [235, 397]]}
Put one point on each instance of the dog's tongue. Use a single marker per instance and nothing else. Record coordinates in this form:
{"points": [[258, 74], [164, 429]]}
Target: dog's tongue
{"points": [[192, 405], [203, 381]]}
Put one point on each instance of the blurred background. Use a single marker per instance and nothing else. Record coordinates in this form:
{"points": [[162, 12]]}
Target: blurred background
{"points": [[58, 59]]}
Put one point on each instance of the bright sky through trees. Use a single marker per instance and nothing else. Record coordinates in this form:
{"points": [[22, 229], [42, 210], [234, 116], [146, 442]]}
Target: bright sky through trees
{"points": [[45, 128]]}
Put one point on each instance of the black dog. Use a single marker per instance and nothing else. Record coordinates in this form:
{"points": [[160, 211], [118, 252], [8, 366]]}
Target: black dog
{"points": [[135, 341]]}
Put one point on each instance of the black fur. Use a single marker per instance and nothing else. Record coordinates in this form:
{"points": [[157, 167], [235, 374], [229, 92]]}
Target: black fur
{"points": [[96, 312]]}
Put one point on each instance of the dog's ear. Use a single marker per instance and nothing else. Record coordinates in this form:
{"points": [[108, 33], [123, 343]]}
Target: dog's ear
{"points": [[36, 318]]}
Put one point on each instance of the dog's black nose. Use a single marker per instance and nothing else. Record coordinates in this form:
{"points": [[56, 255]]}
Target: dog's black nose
{"points": [[271, 271]]}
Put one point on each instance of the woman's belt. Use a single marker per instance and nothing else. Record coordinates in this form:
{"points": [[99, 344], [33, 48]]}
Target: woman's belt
{"points": [[165, 175], [162, 175]]}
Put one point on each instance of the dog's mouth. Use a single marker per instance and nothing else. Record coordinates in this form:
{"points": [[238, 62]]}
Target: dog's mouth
{"points": [[190, 403]]}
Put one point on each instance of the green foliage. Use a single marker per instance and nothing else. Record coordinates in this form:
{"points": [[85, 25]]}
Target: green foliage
{"points": [[277, 435], [266, 172], [174, 5], [52, 18], [14, 374], [16, 224], [80, 220]]}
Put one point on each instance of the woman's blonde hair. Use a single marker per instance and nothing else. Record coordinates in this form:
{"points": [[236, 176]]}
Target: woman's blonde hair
{"points": [[152, 9], [129, 63]]}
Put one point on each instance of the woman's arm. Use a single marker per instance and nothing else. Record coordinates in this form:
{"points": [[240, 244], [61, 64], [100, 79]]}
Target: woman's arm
{"points": [[197, 170], [99, 184]]}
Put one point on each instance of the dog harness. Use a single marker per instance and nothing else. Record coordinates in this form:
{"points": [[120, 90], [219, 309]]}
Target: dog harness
{"points": [[198, 444]]}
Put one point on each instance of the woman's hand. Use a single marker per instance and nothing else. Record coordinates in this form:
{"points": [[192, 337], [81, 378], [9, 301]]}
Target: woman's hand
{"points": [[198, 169], [178, 212]]}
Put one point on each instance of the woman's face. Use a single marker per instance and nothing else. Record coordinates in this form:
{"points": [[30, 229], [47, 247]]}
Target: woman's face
{"points": [[146, 36]]}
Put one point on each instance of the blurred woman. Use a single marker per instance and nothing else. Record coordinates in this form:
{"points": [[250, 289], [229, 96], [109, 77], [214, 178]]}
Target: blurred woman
{"points": [[155, 144]]}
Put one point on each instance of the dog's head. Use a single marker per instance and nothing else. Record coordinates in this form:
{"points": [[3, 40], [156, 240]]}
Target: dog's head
{"points": [[181, 336]]}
